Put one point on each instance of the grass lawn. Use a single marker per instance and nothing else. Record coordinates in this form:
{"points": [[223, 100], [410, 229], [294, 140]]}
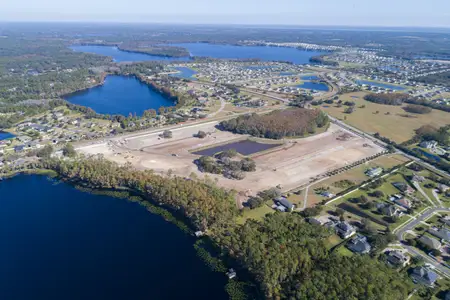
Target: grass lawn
{"points": [[356, 175], [392, 126], [332, 241], [344, 251], [256, 214]]}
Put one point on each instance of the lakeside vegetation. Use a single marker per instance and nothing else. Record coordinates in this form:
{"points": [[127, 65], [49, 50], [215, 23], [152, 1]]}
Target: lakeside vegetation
{"points": [[284, 255], [293, 122]]}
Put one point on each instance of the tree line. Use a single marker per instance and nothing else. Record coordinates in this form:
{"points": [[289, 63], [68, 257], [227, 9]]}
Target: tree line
{"points": [[294, 122]]}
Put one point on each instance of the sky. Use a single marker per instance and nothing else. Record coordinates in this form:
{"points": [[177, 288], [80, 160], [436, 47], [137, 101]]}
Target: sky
{"points": [[411, 13]]}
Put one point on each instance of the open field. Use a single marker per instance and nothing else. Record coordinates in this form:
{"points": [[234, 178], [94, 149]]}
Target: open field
{"points": [[289, 166], [392, 125], [356, 175]]}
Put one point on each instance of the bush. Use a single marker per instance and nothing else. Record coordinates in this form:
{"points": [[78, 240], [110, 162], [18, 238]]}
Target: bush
{"points": [[417, 109], [167, 134], [201, 134]]}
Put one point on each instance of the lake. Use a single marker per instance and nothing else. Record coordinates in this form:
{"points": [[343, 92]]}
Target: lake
{"points": [[382, 85], [317, 86], [245, 147], [6, 135], [120, 56], [120, 95], [184, 72], [60, 243], [263, 53]]}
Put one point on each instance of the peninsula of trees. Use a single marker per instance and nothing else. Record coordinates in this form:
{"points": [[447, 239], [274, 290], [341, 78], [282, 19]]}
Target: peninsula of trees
{"points": [[293, 122]]}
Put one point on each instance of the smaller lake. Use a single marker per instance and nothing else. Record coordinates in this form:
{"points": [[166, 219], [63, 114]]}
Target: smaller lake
{"points": [[317, 86], [185, 72], [119, 55], [245, 148], [6, 135], [382, 85], [120, 95]]}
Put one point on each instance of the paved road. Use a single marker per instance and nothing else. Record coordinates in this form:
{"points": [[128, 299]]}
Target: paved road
{"points": [[409, 226]]}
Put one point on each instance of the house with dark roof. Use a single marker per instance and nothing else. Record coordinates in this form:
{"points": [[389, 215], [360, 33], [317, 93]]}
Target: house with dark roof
{"points": [[403, 187], [423, 275], [359, 244], [398, 259], [390, 211], [344, 230], [285, 203]]}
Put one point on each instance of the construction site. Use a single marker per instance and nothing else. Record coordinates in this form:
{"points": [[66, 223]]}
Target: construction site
{"points": [[289, 165]]}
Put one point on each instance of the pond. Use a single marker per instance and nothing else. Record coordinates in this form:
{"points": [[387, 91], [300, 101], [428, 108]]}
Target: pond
{"points": [[185, 72], [317, 86], [382, 85], [120, 95], [61, 243], [120, 56], [245, 147], [6, 135]]}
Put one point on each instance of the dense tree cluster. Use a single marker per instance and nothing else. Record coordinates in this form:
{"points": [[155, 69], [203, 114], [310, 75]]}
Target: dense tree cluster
{"points": [[389, 99], [294, 122], [223, 163], [203, 203], [289, 259], [417, 109]]}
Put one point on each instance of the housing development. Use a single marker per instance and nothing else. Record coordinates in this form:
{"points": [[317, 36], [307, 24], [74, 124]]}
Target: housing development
{"points": [[350, 146]]}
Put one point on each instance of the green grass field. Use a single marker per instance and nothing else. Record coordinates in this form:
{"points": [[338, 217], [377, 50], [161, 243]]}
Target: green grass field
{"points": [[392, 125]]}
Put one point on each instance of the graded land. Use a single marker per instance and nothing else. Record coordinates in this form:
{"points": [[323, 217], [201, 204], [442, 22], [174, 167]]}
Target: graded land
{"points": [[296, 162]]}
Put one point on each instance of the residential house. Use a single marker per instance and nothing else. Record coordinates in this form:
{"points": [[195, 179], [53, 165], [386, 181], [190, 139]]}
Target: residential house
{"points": [[418, 178], [403, 187], [373, 172], [443, 188], [428, 144], [398, 259], [390, 211], [446, 220], [403, 202], [285, 203], [327, 194], [359, 244], [430, 242], [441, 233], [344, 230], [19, 148], [423, 275]]}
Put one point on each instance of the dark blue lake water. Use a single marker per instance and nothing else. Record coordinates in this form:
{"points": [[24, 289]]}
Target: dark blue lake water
{"points": [[210, 50], [185, 72], [119, 55], [60, 243], [245, 52], [245, 147], [317, 86], [383, 85], [120, 95], [6, 135]]}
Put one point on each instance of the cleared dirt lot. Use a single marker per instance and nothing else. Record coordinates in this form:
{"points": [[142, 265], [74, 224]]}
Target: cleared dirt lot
{"points": [[290, 165]]}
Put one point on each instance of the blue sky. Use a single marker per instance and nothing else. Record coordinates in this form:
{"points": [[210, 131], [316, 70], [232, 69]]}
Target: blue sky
{"points": [[297, 12]]}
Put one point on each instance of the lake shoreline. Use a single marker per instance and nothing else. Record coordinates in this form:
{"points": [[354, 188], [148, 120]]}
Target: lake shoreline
{"points": [[205, 246]]}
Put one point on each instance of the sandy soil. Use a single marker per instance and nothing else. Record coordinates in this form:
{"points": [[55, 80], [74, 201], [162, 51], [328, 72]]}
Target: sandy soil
{"points": [[291, 165]]}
